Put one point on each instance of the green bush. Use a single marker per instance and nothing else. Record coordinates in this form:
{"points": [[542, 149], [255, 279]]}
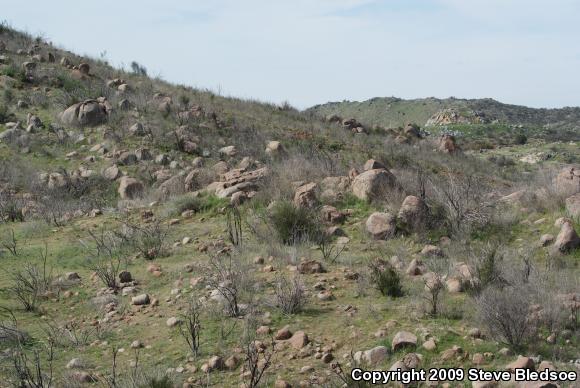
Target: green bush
{"points": [[386, 279], [293, 224], [207, 203]]}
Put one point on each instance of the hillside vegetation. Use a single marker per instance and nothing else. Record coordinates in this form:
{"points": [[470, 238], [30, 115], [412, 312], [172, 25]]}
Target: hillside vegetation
{"points": [[157, 235]]}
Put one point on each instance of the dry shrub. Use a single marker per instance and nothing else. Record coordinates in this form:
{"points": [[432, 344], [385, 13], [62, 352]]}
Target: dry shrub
{"points": [[290, 294]]}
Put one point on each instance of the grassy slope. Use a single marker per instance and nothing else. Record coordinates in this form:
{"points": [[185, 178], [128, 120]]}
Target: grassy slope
{"points": [[248, 125]]}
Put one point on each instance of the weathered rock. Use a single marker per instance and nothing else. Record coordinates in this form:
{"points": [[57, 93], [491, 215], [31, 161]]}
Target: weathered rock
{"points": [[413, 213], [568, 180], [283, 334], [275, 149], [299, 340], [372, 164], [112, 172], [305, 195], [130, 188], [334, 188], [567, 239], [381, 226], [127, 158], [403, 339], [332, 215], [373, 184], [228, 151], [310, 267], [372, 356], [173, 321], [140, 300], [415, 268], [573, 206], [137, 129], [88, 112]]}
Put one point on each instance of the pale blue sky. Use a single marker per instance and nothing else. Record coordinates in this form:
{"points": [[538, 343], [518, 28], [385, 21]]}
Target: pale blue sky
{"points": [[313, 51]]}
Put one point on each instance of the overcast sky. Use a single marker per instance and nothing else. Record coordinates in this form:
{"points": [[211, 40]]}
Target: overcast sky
{"points": [[312, 51]]}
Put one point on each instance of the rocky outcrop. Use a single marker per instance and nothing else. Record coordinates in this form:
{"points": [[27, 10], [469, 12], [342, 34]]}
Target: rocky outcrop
{"points": [[237, 180], [451, 116]]}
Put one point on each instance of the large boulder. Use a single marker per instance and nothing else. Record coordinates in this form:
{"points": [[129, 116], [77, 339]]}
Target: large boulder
{"points": [[274, 148], [373, 184], [305, 195], [567, 239], [86, 113], [573, 206], [413, 212], [568, 180], [403, 339], [372, 356], [333, 188], [381, 226], [130, 188]]}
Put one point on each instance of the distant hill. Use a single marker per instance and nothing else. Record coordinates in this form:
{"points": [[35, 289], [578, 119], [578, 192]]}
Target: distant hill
{"points": [[395, 112]]}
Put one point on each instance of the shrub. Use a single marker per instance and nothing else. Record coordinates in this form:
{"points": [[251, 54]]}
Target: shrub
{"points": [[290, 296], [505, 313], [31, 282], [149, 240], [293, 224], [190, 328], [104, 256], [386, 279]]}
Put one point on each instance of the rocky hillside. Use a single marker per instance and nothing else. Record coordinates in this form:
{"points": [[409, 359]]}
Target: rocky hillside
{"points": [[396, 112], [155, 235]]}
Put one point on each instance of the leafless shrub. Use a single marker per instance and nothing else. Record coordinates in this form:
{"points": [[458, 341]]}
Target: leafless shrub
{"points": [[290, 294], [505, 312], [31, 282], [228, 279], [330, 251], [258, 355], [11, 206], [33, 368], [8, 241], [190, 328], [435, 283], [72, 333], [149, 240], [464, 201], [105, 256]]}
